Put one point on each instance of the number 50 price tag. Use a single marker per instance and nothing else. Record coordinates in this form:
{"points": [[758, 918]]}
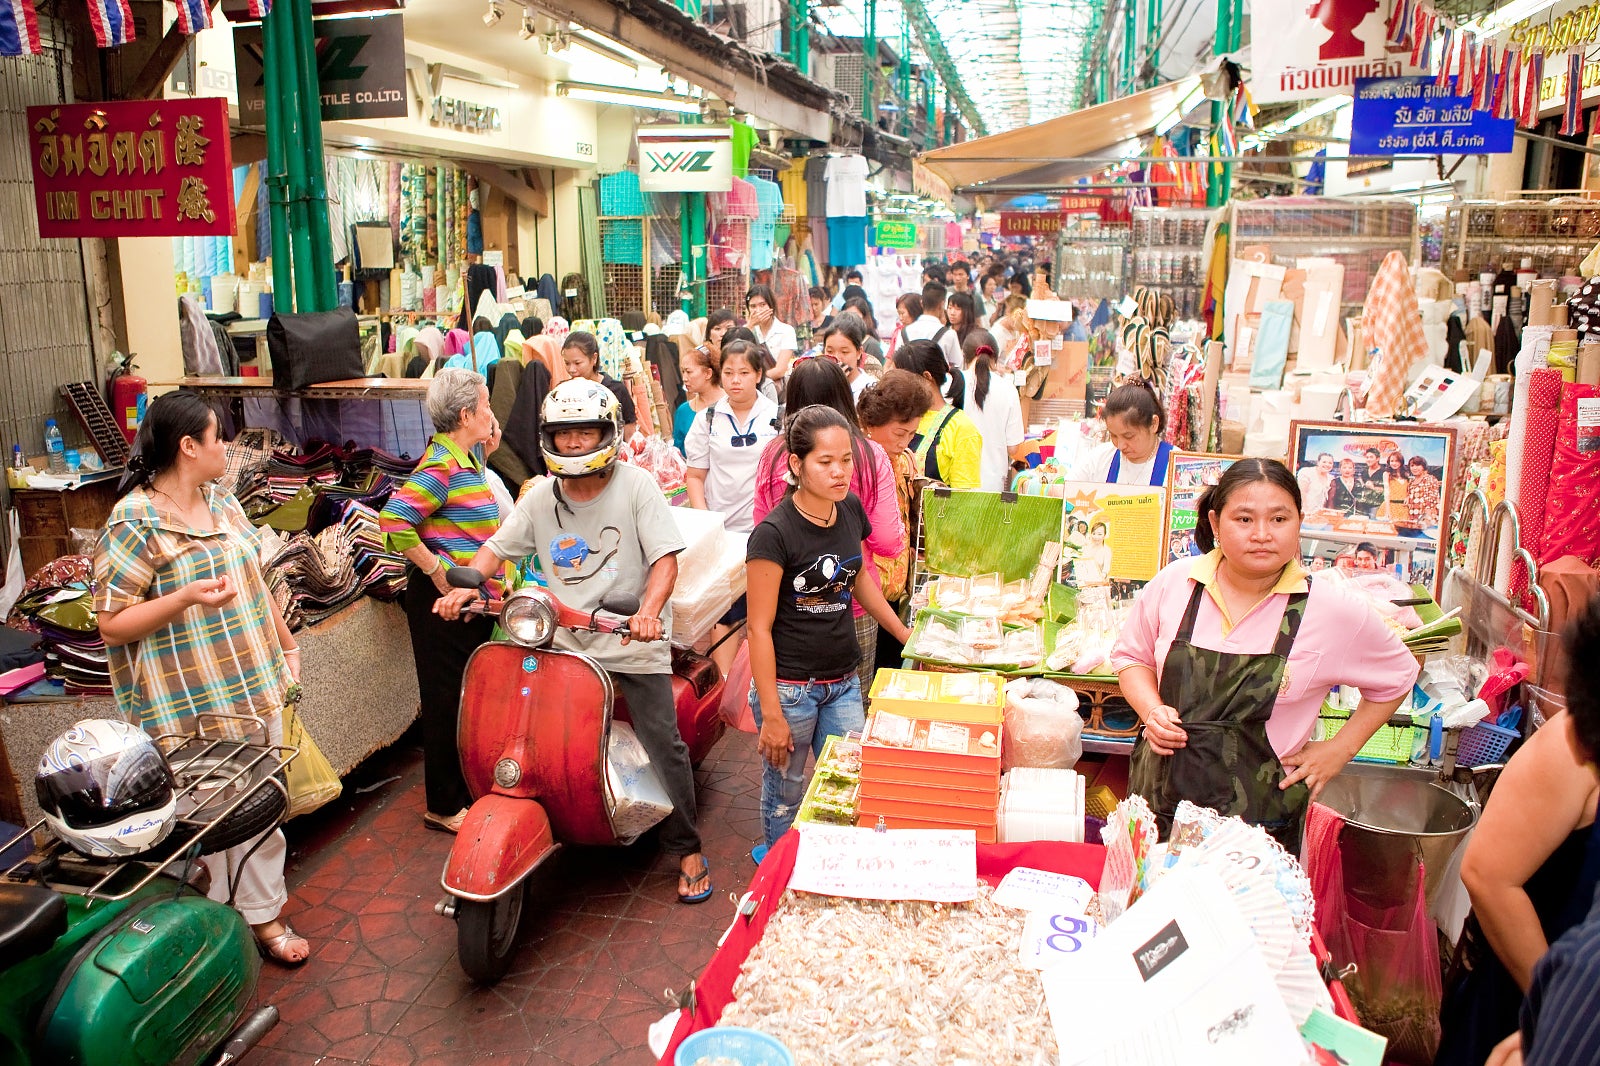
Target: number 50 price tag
{"points": [[1048, 938]]}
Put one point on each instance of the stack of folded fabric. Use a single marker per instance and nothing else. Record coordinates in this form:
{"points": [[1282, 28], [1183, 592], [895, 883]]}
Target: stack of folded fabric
{"points": [[314, 575], [58, 605]]}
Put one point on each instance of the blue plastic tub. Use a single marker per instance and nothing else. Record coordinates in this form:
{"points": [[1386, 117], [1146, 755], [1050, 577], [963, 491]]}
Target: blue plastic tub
{"points": [[747, 1047]]}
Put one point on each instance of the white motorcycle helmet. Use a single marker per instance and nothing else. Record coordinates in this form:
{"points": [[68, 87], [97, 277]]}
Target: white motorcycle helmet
{"points": [[579, 403], [106, 790]]}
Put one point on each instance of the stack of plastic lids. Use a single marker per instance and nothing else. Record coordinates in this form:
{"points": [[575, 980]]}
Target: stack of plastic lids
{"points": [[1041, 805]]}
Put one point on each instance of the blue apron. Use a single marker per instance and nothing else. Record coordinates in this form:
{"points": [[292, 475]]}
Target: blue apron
{"points": [[1158, 474]]}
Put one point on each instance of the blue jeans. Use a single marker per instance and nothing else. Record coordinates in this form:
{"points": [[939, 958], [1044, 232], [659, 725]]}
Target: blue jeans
{"points": [[815, 711]]}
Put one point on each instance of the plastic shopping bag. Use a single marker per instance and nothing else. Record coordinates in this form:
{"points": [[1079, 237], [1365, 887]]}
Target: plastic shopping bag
{"points": [[311, 778], [634, 794], [736, 692], [11, 591], [1043, 727]]}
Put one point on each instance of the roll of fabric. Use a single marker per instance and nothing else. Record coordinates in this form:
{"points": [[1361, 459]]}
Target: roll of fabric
{"points": [[1572, 517], [1538, 451]]}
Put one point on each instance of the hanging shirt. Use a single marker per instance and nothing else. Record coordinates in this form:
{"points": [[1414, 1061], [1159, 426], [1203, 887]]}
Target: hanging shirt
{"points": [[763, 231], [847, 186]]}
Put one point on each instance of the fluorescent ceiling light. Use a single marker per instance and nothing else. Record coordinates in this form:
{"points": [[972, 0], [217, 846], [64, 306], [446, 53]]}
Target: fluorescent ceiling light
{"points": [[610, 94], [1509, 15], [1299, 118]]}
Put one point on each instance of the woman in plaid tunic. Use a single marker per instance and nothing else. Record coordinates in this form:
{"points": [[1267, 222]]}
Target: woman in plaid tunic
{"points": [[190, 627]]}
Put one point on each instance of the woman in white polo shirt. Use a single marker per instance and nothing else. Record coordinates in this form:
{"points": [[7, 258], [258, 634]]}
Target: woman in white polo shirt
{"points": [[723, 449], [1136, 454]]}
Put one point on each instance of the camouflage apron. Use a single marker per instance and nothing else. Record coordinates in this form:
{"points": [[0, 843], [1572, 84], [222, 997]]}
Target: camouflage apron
{"points": [[1224, 700]]}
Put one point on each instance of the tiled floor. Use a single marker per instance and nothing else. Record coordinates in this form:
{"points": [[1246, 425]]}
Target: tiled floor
{"points": [[602, 934]]}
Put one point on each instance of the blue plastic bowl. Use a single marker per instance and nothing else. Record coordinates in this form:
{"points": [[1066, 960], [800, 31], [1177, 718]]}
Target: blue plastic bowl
{"points": [[747, 1047]]}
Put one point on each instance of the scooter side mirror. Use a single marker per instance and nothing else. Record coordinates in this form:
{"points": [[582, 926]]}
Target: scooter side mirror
{"points": [[464, 577], [623, 604]]}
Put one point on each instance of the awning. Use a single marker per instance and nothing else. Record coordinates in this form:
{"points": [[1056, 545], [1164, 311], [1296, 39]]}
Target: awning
{"points": [[1060, 149]]}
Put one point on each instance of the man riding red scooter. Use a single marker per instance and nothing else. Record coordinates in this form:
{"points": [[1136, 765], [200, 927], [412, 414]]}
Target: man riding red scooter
{"points": [[600, 527]]}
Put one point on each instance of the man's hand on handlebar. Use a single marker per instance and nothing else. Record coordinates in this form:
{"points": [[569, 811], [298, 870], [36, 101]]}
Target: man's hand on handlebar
{"points": [[449, 605], [643, 627]]}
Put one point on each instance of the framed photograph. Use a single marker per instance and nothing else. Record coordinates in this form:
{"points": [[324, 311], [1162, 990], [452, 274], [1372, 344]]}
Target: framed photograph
{"points": [[1188, 475], [1112, 539], [1375, 496]]}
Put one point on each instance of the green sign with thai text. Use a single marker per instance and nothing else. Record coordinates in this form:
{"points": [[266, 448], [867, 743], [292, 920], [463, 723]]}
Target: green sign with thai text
{"points": [[892, 234]]}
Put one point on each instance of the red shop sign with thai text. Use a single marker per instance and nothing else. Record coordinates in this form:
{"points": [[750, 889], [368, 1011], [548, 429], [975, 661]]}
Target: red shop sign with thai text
{"points": [[138, 168]]}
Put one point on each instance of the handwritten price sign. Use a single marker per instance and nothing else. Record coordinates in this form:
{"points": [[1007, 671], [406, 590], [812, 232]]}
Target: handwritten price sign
{"points": [[937, 865], [1048, 938]]}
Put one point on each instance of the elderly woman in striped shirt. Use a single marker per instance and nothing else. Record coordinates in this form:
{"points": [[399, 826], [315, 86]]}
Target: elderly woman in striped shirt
{"points": [[439, 518]]}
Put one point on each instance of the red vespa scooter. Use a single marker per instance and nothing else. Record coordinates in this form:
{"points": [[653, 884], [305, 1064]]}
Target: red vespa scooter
{"points": [[534, 727]]}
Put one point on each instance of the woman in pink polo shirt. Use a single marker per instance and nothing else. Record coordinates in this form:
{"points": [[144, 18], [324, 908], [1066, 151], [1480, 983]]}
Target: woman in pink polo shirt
{"points": [[1227, 658]]}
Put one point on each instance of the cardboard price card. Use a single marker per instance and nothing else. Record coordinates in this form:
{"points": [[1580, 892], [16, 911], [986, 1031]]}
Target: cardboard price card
{"points": [[937, 865]]}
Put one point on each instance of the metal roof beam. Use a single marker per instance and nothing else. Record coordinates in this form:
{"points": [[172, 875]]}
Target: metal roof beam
{"points": [[933, 47]]}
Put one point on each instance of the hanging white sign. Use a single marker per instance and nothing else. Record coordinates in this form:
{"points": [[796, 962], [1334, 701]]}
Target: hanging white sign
{"points": [[1318, 48], [685, 159]]}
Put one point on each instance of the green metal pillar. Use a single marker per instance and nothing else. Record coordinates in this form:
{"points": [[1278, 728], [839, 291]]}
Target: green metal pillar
{"points": [[695, 251], [324, 286], [1230, 19], [1130, 45], [282, 82], [276, 175], [799, 16], [869, 63], [1152, 42], [903, 74]]}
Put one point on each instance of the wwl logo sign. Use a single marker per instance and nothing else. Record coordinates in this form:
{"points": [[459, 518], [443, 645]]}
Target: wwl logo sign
{"points": [[685, 159]]}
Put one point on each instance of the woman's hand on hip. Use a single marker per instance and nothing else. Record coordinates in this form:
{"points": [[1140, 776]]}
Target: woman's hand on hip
{"points": [[1163, 730], [775, 742], [1315, 764], [213, 592]]}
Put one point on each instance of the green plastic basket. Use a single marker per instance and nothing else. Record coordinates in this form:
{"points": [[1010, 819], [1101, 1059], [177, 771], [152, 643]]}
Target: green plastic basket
{"points": [[1392, 743]]}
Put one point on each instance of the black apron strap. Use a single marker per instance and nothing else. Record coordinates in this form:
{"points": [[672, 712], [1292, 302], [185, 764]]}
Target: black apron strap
{"points": [[1186, 627], [1293, 614]]}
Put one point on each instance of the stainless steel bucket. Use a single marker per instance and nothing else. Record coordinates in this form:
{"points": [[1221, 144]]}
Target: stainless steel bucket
{"points": [[1395, 817]]}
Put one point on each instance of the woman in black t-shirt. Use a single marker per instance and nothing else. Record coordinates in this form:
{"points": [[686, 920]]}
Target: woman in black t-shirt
{"points": [[803, 567], [580, 351]]}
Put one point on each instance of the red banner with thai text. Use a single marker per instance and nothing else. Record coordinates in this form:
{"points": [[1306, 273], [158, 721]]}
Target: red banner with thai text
{"points": [[137, 168]]}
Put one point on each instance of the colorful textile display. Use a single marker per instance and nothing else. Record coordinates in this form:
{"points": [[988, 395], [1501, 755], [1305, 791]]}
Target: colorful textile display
{"points": [[1538, 451], [614, 344], [1572, 515], [1392, 324]]}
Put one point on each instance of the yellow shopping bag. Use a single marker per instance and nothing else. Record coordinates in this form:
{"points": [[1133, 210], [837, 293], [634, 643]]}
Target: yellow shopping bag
{"points": [[310, 777]]}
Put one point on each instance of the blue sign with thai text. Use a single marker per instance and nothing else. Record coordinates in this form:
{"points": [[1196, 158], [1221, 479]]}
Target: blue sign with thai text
{"points": [[1405, 116]]}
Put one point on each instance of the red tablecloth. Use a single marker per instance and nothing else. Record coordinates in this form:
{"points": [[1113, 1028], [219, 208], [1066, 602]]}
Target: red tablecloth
{"points": [[714, 990]]}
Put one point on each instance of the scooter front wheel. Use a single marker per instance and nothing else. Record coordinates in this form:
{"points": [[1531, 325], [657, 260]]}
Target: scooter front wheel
{"points": [[486, 935]]}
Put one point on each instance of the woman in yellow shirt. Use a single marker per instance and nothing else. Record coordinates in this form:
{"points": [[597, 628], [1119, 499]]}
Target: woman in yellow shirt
{"points": [[948, 446]]}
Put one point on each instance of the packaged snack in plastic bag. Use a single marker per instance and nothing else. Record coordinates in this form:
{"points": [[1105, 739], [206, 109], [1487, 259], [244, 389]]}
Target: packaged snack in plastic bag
{"points": [[635, 796], [1043, 728], [662, 460]]}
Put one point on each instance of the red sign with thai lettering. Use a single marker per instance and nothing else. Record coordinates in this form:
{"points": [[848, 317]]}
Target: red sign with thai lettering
{"points": [[138, 168]]}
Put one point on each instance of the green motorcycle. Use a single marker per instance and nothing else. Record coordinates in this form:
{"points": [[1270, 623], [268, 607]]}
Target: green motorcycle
{"points": [[125, 961]]}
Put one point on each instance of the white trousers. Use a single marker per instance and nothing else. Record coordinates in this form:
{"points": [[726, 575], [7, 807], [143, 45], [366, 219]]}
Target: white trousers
{"points": [[262, 890]]}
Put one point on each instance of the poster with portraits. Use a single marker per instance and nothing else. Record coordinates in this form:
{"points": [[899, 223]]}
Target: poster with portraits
{"points": [[1188, 475], [1374, 496], [1112, 539]]}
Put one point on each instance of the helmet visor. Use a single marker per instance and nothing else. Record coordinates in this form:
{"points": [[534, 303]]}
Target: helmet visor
{"points": [[107, 788]]}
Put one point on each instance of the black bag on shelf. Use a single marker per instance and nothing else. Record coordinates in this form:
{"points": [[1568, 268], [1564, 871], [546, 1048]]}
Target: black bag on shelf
{"points": [[311, 348]]}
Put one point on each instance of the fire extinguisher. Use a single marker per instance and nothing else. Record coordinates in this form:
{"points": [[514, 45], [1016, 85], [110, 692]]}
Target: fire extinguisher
{"points": [[128, 398]]}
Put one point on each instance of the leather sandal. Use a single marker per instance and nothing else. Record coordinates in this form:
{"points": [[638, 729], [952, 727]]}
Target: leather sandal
{"points": [[443, 824], [275, 948]]}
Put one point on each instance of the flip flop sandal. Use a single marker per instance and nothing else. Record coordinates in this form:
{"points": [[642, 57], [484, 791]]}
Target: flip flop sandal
{"points": [[272, 947], [698, 897], [443, 824]]}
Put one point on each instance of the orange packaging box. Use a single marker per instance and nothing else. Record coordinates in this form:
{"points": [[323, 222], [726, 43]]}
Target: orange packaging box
{"points": [[931, 812], [930, 744], [985, 834], [924, 777], [976, 696], [986, 798]]}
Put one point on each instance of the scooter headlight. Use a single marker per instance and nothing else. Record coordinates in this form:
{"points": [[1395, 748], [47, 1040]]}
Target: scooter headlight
{"points": [[529, 618]]}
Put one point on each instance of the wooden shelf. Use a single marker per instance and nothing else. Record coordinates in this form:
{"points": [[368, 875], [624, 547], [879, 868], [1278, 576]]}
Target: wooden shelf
{"points": [[348, 389]]}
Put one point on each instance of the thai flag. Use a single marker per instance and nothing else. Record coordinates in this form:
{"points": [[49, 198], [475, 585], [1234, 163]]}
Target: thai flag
{"points": [[260, 8], [193, 16], [1505, 87], [1447, 53], [112, 21], [1572, 118], [1483, 84], [19, 28], [1422, 40], [1533, 80]]}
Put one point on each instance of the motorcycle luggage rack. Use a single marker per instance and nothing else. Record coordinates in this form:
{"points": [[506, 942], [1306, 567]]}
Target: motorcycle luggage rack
{"points": [[226, 748]]}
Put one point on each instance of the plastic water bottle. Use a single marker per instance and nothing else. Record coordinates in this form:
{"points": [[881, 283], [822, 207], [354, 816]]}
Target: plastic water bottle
{"points": [[55, 446]]}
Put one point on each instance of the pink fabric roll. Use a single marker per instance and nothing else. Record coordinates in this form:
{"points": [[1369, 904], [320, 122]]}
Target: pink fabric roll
{"points": [[1538, 449], [1572, 517]]}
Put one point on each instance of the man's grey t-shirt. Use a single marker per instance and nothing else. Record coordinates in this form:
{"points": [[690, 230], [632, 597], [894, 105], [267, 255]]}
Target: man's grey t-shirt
{"points": [[587, 549]]}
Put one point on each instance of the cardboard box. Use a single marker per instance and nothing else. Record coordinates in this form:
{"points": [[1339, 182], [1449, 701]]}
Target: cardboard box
{"points": [[870, 821], [924, 695], [927, 810], [926, 744], [985, 798], [1318, 313]]}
